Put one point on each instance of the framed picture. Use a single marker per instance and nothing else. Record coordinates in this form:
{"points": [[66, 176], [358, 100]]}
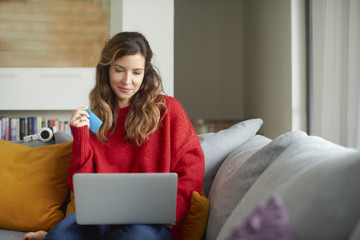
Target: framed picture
{"points": [[59, 33]]}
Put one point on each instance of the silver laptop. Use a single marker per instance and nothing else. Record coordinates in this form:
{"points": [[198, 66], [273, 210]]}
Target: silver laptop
{"points": [[125, 198]]}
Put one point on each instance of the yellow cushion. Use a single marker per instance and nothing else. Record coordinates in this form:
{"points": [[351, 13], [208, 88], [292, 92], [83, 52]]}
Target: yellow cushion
{"points": [[71, 206], [194, 224], [33, 185]]}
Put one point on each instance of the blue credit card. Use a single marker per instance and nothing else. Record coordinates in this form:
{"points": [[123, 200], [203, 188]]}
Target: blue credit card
{"points": [[95, 122]]}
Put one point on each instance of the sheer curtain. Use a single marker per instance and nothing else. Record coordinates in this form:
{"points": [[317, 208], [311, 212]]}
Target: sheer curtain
{"points": [[336, 44]]}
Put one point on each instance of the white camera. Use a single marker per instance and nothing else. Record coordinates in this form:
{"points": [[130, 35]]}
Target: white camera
{"points": [[44, 135]]}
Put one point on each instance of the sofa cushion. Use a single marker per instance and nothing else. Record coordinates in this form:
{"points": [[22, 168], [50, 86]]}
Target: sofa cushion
{"points": [[70, 208], [355, 235], [34, 185], [34, 143], [232, 181], [194, 224], [269, 222], [11, 235], [217, 146], [61, 137], [323, 201], [301, 154]]}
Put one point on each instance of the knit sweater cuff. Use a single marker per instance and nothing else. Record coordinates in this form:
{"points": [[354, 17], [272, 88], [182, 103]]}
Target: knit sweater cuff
{"points": [[80, 134]]}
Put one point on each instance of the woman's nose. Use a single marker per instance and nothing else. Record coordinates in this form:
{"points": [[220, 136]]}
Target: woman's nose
{"points": [[127, 78]]}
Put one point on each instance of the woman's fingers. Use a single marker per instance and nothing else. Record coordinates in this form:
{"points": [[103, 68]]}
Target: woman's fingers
{"points": [[80, 117]]}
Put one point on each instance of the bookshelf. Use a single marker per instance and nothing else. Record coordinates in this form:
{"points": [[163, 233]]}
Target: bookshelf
{"points": [[14, 125]]}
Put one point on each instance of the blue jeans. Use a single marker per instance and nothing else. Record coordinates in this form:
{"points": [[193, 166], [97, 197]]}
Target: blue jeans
{"points": [[68, 229]]}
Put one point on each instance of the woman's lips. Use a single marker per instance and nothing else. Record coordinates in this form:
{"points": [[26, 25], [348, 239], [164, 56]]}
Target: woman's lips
{"points": [[125, 90]]}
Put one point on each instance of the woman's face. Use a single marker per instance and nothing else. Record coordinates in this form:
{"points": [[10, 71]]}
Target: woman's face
{"points": [[126, 75]]}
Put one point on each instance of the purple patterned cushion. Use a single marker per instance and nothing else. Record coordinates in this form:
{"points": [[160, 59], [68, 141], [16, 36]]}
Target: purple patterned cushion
{"points": [[268, 222]]}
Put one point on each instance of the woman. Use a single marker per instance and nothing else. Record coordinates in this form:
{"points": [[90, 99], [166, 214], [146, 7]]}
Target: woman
{"points": [[142, 131]]}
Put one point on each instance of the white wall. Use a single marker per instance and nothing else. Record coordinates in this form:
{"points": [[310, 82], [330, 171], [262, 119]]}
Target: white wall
{"points": [[155, 19], [209, 58], [45, 88], [242, 59], [298, 65], [274, 65]]}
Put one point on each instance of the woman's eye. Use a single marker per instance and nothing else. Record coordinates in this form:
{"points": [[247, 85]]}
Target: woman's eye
{"points": [[137, 73], [118, 70]]}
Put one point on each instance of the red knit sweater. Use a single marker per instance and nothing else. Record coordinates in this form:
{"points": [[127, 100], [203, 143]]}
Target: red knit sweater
{"points": [[174, 147]]}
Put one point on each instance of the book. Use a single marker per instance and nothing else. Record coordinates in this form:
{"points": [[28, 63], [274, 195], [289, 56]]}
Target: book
{"points": [[17, 129], [43, 122], [12, 134], [22, 128], [30, 125], [26, 127], [54, 122], [38, 124], [9, 130], [3, 127], [6, 136], [66, 127], [35, 129], [2, 136]]}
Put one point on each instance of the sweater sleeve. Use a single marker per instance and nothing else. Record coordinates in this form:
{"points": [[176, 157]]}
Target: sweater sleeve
{"points": [[82, 153], [188, 159], [190, 169]]}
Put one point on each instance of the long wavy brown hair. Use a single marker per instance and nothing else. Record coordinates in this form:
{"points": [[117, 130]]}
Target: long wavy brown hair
{"points": [[147, 106]]}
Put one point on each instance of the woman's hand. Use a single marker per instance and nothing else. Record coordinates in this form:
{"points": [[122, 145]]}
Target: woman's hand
{"points": [[171, 225], [39, 235], [80, 118]]}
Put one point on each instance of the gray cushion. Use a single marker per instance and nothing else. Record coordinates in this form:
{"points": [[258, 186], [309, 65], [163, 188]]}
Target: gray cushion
{"points": [[355, 235], [231, 183], [11, 235], [303, 153], [217, 146], [268, 222], [323, 201], [34, 143], [61, 137], [242, 178]]}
